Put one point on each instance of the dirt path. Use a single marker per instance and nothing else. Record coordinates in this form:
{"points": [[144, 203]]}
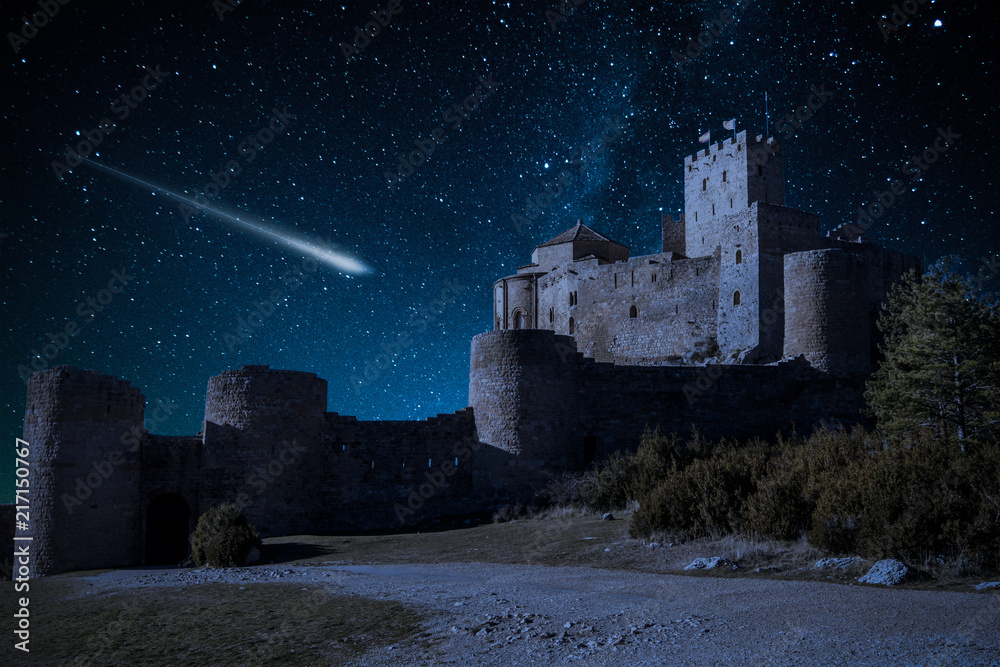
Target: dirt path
{"points": [[488, 614]]}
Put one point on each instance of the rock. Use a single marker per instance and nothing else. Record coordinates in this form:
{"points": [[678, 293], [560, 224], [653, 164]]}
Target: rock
{"points": [[253, 556], [707, 563], [986, 585], [889, 572], [836, 563], [608, 516]]}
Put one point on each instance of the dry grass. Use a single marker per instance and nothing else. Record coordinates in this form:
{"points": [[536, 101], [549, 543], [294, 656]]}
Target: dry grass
{"points": [[250, 624]]}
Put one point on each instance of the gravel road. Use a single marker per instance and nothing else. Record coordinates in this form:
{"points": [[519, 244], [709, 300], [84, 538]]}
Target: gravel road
{"points": [[488, 614]]}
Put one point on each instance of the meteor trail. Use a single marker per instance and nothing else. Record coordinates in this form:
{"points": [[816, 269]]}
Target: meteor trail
{"points": [[321, 253]]}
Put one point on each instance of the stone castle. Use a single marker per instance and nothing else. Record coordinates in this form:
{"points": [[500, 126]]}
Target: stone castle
{"points": [[747, 323]]}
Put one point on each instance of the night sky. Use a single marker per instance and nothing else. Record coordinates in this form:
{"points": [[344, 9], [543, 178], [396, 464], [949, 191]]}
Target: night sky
{"points": [[201, 85]]}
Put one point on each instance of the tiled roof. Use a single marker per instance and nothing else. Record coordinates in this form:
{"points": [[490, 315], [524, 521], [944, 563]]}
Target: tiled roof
{"points": [[580, 232]]}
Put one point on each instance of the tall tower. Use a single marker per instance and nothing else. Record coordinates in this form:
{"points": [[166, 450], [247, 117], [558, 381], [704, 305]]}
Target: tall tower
{"points": [[86, 509], [725, 179]]}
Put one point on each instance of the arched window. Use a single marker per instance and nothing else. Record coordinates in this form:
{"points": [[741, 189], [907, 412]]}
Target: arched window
{"points": [[518, 319], [739, 256], [572, 326], [736, 298], [633, 312], [498, 324]]}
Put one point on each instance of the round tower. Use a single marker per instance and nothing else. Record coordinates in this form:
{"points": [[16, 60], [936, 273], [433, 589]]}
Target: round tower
{"points": [[264, 400], [826, 310], [263, 447], [83, 431], [522, 388]]}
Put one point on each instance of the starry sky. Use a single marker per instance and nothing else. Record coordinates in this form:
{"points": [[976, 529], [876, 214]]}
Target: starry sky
{"points": [[311, 124]]}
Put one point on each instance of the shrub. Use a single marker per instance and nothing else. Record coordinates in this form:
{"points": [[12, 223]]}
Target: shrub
{"points": [[223, 537]]}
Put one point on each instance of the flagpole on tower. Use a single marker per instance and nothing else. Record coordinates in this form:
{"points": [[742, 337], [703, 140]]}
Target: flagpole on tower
{"points": [[765, 115]]}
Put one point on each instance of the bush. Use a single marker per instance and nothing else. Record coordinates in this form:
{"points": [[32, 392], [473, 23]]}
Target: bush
{"points": [[223, 537], [849, 491]]}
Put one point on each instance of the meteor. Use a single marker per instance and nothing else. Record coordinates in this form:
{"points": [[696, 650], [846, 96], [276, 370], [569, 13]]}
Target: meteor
{"points": [[319, 251]]}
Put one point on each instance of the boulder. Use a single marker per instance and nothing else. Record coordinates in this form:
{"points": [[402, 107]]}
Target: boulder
{"points": [[707, 563], [836, 563], [889, 572], [608, 516]]}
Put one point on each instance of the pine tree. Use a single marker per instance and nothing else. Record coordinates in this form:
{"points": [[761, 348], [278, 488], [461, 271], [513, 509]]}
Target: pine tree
{"points": [[941, 369]]}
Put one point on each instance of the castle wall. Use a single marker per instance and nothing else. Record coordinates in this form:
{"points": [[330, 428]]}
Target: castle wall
{"points": [[673, 234], [825, 303], [675, 301], [611, 405], [75, 422], [383, 475]]}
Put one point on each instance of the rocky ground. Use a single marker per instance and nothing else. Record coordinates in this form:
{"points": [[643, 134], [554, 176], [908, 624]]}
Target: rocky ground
{"points": [[499, 614]]}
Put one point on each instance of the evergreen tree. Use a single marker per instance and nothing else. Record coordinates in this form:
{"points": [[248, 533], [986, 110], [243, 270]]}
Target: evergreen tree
{"points": [[941, 367]]}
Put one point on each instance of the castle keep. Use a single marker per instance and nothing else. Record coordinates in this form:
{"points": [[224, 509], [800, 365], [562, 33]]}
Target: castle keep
{"points": [[747, 323]]}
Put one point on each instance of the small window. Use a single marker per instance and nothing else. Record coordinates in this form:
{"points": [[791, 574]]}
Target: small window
{"points": [[739, 147], [736, 298], [633, 312], [760, 170], [704, 184], [551, 316], [652, 277], [373, 464], [739, 256], [572, 326], [696, 216], [724, 177], [713, 209], [730, 202], [633, 279]]}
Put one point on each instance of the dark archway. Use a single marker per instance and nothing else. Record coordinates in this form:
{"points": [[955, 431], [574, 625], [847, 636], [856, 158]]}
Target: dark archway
{"points": [[167, 530]]}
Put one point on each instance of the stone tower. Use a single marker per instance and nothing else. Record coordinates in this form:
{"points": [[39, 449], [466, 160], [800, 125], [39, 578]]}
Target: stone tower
{"points": [[84, 433]]}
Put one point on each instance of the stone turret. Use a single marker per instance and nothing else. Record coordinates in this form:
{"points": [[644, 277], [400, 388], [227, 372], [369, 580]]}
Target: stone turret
{"points": [[83, 431], [522, 388]]}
